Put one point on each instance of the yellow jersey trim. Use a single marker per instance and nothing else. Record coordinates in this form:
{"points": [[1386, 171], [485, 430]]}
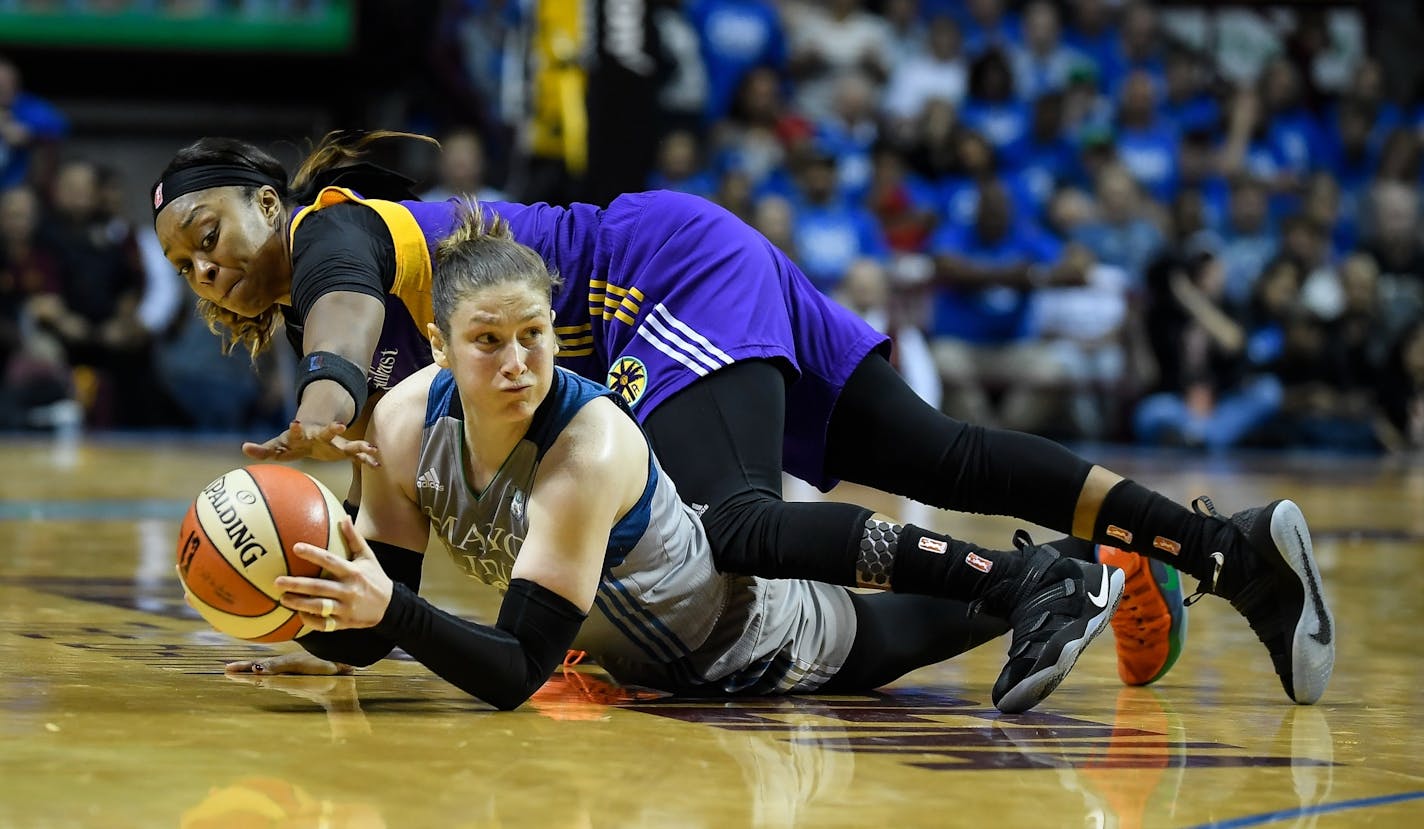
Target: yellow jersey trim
{"points": [[413, 268]]}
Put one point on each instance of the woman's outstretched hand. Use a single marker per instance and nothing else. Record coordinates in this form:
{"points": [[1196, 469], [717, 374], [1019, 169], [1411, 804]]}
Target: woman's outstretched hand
{"points": [[322, 442], [295, 662]]}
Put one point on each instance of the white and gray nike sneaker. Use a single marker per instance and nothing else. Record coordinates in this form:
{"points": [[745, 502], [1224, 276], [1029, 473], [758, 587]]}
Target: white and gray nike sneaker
{"points": [[1265, 566], [1055, 608]]}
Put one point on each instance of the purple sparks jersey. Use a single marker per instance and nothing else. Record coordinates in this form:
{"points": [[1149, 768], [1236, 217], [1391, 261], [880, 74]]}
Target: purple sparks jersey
{"points": [[659, 289], [663, 288]]}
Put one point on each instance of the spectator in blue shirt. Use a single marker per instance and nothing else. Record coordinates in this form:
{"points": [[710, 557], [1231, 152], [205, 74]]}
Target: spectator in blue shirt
{"points": [[1248, 239], [983, 331], [1086, 110], [1139, 47], [1121, 235], [1198, 169], [1146, 146], [993, 109], [1042, 63], [30, 127], [975, 163], [736, 36], [849, 133], [679, 166], [1251, 149], [828, 231], [1292, 133], [988, 25], [1187, 105], [1049, 157], [1348, 151], [1091, 31]]}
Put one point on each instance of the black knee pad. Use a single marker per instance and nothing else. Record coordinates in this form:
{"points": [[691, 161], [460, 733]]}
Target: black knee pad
{"points": [[756, 534], [738, 531]]}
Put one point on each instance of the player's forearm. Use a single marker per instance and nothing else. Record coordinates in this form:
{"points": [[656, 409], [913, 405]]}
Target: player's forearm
{"points": [[502, 665], [342, 330]]}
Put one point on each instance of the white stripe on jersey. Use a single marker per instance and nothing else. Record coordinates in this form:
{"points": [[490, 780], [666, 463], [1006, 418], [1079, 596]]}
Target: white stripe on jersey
{"points": [[672, 338], [686, 329], [668, 350]]}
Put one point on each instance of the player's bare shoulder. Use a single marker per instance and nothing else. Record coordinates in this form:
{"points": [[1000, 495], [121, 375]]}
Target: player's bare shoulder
{"points": [[603, 446]]}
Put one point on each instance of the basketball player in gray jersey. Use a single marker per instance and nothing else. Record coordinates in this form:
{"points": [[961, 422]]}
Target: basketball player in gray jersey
{"points": [[542, 484], [662, 615]]}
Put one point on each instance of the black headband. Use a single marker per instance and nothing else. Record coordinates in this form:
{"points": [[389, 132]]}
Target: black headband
{"points": [[204, 176]]}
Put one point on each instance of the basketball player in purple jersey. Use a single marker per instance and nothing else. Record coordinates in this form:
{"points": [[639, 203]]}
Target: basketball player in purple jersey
{"points": [[737, 368]]}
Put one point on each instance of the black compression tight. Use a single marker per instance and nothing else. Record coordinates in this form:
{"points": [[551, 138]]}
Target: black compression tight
{"points": [[898, 633], [720, 440], [884, 436]]}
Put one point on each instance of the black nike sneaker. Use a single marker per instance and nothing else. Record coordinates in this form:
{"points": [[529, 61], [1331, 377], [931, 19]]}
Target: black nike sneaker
{"points": [[1055, 607], [1265, 566]]}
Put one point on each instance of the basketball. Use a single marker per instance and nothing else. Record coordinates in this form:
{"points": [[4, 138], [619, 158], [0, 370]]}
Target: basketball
{"points": [[237, 538]]}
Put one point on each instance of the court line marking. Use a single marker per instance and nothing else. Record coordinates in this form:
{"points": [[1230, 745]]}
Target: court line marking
{"points": [[1320, 809], [92, 509]]}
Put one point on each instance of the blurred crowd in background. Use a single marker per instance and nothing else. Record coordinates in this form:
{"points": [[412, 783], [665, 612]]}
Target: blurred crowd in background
{"points": [[1092, 220]]}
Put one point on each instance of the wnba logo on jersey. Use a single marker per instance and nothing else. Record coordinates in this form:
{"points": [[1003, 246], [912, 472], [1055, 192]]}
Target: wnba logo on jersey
{"points": [[628, 377]]}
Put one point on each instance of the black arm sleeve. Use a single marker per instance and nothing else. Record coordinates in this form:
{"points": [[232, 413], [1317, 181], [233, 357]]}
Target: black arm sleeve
{"points": [[502, 665], [364, 646], [345, 247]]}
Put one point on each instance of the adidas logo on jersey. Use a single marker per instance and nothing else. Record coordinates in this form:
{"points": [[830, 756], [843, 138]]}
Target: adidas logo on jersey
{"points": [[429, 480]]}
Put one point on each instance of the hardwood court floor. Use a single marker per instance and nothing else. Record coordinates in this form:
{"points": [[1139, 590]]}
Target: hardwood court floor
{"points": [[114, 710]]}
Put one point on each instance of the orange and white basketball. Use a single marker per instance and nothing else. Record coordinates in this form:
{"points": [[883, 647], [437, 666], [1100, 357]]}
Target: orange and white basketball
{"points": [[237, 538]]}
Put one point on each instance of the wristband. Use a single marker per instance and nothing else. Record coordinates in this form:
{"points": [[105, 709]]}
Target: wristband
{"points": [[326, 365]]}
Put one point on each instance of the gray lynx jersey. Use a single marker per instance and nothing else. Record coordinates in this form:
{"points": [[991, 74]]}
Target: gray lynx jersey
{"points": [[663, 616]]}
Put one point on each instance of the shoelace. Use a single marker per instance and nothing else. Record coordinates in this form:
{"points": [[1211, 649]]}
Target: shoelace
{"points": [[1207, 511], [1022, 541]]}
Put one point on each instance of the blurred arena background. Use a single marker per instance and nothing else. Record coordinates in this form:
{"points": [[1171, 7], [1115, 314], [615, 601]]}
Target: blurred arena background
{"points": [[1180, 224]]}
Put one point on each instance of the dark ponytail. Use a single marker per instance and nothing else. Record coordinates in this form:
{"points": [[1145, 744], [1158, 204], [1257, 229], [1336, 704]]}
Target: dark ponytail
{"points": [[341, 159]]}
